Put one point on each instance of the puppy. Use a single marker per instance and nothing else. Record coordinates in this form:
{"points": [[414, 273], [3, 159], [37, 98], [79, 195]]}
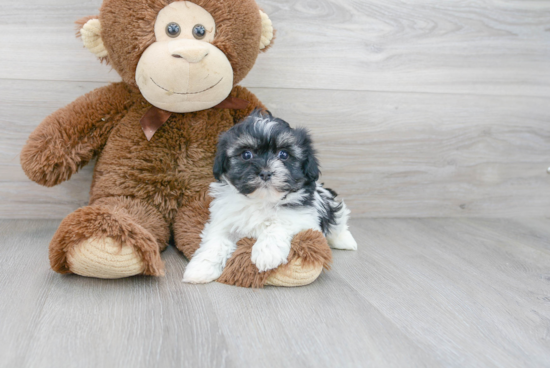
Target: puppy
{"points": [[267, 189]]}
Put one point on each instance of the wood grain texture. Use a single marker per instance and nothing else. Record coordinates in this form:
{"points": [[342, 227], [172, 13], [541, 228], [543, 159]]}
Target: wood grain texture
{"points": [[483, 46], [387, 154], [419, 108], [475, 273], [417, 293]]}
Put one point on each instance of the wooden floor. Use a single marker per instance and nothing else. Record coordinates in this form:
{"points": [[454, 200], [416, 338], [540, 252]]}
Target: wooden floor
{"points": [[418, 292]]}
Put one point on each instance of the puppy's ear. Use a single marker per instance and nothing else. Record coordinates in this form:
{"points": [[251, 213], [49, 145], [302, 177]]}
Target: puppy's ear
{"points": [[311, 167], [310, 164], [220, 163]]}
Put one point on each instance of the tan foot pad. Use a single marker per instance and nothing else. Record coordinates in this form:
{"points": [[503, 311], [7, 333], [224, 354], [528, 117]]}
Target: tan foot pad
{"points": [[105, 259], [294, 274]]}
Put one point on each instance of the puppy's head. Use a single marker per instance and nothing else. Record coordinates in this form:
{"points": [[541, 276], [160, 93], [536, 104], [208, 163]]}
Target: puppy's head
{"points": [[263, 157]]}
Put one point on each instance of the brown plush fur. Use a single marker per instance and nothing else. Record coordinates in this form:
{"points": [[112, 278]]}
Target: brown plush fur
{"points": [[309, 246], [189, 224], [127, 221], [69, 138], [142, 189], [238, 32]]}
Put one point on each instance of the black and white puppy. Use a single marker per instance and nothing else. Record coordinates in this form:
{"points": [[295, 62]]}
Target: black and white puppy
{"points": [[267, 189]]}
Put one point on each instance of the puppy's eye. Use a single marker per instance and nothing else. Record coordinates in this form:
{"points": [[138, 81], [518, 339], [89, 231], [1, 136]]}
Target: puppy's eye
{"points": [[247, 155], [283, 155], [173, 30], [199, 31]]}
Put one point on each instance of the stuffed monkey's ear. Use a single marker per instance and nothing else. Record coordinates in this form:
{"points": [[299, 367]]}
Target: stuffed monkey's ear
{"points": [[90, 31], [267, 32]]}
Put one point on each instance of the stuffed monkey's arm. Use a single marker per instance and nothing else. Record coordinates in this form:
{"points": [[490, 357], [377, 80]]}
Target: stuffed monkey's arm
{"points": [[253, 103], [70, 137]]}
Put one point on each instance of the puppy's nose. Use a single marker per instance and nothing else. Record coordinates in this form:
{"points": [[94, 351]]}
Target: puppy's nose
{"points": [[265, 175], [193, 52]]}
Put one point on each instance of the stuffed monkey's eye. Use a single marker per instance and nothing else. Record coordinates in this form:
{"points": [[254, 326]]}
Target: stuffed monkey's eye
{"points": [[173, 30], [283, 155], [247, 155], [199, 31]]}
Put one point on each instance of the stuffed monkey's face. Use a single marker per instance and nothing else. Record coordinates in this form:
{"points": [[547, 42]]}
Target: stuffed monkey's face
{"points": [[182, 71]]}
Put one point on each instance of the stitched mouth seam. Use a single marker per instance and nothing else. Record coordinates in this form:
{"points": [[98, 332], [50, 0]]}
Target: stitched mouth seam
{"points": [[188, 93]]}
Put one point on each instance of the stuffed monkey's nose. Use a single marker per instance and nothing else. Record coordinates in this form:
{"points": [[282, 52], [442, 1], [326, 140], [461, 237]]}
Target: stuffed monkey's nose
{"points": [[192, 52]]}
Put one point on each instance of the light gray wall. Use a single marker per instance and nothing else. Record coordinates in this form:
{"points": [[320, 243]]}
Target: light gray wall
{"points": [[419, 108]]}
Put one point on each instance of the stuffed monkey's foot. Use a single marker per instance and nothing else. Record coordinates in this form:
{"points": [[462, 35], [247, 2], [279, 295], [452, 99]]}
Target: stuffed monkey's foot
{"points": [[308, 257], [113, 238], [295, 273], [104, 258]]}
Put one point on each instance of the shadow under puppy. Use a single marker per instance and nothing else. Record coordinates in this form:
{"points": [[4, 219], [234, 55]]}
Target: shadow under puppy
{"points": [[267, 189]]}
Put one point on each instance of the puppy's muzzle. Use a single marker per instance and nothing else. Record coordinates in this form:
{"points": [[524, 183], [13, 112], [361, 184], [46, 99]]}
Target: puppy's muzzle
{"points": [[266, 175]]}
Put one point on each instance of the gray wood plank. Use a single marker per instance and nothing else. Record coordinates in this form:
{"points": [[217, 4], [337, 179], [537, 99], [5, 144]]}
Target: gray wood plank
{"points": [[539, 229], [421, 46], [138, 322], [481, 47], [25, 282], [325, 324], [146, 322], [387, 154], [473, 292], [112, 313], [418, 292]]}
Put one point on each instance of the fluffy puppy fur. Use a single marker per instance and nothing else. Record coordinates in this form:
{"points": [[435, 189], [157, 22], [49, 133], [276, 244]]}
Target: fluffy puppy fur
{"points": [[267, 189]]}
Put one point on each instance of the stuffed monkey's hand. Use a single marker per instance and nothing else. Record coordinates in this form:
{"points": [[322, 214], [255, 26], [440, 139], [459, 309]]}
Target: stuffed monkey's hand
{"points": [[69, 138], [47, 160]]}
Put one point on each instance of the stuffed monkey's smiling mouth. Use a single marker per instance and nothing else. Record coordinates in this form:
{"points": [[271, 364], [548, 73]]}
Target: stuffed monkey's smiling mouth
{"points": [[187, 93]]}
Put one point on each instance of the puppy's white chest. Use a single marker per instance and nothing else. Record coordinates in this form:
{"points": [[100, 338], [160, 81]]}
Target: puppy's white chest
{"points": [[290, 221], [240, 217], [254, 224]]}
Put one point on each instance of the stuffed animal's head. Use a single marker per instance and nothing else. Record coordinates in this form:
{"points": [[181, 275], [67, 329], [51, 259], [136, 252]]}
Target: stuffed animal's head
{"points": [[183, 56]]}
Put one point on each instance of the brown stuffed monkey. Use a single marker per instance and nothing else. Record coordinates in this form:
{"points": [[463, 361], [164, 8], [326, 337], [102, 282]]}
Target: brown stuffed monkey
{"points": [[154, 136]]}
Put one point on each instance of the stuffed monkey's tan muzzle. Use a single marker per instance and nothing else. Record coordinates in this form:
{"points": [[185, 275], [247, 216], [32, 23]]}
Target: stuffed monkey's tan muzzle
{"points": [[190, 50], [184, 75]]}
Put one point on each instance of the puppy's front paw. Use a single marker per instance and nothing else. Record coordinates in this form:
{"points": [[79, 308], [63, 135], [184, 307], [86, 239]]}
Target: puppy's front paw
{"points": [[201, 272], [267, 256]]}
